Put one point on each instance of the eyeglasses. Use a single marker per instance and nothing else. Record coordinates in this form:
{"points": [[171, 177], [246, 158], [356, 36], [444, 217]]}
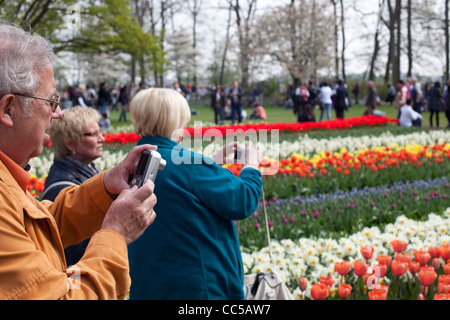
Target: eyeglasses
{"points": [[54, 101], [97, 134]]}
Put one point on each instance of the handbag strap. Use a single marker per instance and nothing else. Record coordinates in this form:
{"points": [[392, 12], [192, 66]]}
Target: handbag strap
{"points": [[267, 228]]}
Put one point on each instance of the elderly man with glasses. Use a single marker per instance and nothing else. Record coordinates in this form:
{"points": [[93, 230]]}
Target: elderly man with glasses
{"points": [[33, 234]]}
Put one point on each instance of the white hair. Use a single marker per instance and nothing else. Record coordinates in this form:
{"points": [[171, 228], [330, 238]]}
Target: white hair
{"points": [[22, 56]]}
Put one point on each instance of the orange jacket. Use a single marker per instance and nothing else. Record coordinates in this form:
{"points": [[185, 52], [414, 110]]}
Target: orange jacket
{"points": [[33, 235]]}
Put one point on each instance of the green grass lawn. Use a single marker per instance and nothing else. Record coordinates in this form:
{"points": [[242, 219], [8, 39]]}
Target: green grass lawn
{"points": [[279, 114]]}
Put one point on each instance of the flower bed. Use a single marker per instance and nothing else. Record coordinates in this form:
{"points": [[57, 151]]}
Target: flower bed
{"points": [[318, 259], [333, 199], [342, 213]]}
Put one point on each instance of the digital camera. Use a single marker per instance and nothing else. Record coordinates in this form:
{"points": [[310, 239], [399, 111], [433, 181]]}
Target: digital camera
{"points": [[149, 163], [239, 155]]}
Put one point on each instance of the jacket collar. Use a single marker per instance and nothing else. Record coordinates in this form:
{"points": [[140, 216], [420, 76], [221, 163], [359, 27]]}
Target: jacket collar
{"points": [[19, 174], [161, 142]]}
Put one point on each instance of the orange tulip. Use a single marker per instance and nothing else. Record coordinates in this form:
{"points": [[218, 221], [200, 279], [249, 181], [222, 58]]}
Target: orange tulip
{"points": [[445, 252], [302, 283], [422, 257], [446, 268], [342, 267], [380, 270], [426, 276], [442, 296], [367, 252], [398, 245], [444, 278], [435, 252], [386, 260], [367, 280], [399, 268], [359, 268], [406, 257], [344, 290], [320, 291], [378, 294], [436, 263], [443, 288], [329, 281], [414, 267], [420, 297]]}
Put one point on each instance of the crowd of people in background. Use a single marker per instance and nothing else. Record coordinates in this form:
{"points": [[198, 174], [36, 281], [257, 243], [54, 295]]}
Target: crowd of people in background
{"points": [[325, 96], [409, 97], [230, 103]]}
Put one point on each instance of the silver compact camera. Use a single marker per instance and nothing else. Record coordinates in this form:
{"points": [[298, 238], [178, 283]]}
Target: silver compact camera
{"points": [[149, 163], [239, 155]]}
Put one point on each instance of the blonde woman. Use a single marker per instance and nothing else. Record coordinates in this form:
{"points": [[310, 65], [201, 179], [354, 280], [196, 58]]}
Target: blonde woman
{"points": [[193, 250], [77, 141]]}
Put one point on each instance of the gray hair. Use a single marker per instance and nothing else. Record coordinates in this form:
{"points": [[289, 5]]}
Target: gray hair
{"points": [[22, 56]]}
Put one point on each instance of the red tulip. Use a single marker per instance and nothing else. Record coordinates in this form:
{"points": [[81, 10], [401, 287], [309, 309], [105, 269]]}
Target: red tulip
{"points": [[446, 268], [329, 281], [399, 268], [367, 276], [398, 245], [445, 252], [386, 260], [414, 267], [342, 267], [320, 291], [380, 270], [435, 252], [378, 294], [442, 296], [443, 288], [359, 268], [406, 257], [426, 276], [344, 290], [436, 263], [422, 257], [367, 252], [302, 283], [444, 278]]}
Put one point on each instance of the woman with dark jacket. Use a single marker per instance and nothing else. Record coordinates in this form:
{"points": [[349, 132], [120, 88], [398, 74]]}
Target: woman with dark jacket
{"points": [[435, 102], [341, 100], [78, 141]]}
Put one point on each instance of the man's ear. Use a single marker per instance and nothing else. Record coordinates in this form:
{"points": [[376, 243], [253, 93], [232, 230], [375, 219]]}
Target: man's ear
{"points": [[7, 109]]}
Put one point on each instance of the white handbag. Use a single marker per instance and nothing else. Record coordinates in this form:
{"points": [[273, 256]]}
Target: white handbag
{"points": [[268, 285]]}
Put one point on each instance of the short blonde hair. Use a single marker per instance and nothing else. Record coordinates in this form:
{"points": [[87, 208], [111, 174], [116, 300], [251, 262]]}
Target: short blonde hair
{"points": [[159, 112], [70, 128]]}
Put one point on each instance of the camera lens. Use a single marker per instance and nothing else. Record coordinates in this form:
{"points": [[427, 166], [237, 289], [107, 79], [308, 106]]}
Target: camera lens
{"points": [[162, 164]]}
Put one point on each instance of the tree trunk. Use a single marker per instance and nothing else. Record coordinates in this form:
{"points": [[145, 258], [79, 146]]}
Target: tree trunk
{"points": [[344, 76], [292, 39], [387, 74], [376, 48], [225, 49], [243, 26], [336, 30], [447, 41], [397, 54], [410, 56]]}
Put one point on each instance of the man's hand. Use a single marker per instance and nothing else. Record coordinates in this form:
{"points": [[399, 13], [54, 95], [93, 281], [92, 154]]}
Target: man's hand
{"points": [[118, 178], [132, 212]]}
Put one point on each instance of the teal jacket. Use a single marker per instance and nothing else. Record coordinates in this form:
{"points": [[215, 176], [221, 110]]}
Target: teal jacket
{"points": [[191, 251]]}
